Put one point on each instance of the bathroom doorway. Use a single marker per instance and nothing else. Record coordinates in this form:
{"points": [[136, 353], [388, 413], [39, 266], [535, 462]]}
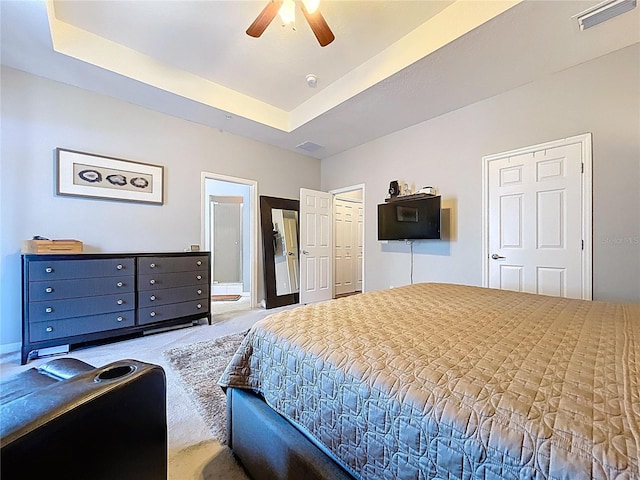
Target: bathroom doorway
{"points": [[229, 233]]}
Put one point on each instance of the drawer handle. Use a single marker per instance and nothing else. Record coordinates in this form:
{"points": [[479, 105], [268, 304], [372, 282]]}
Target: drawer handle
{"points": [[48, 289], [119, 284], [48, 309], [49, 329], [199, 263], [199, 277], [152, 265], [48, 269], [152, 282], [152, 314], [119, 319], [199, 305], [199, 292], [119, 266], [152, 298], [120, 302]]}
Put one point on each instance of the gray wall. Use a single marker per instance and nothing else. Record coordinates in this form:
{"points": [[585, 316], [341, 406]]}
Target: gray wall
{"points": [[39, 115], [601, 97]]}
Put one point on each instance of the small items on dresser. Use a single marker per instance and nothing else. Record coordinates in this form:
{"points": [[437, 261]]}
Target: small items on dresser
{"points": [[43, 245]]}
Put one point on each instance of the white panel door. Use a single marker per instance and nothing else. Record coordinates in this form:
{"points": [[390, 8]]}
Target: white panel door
{"points": [[316, 246], [344, 247], [535, 222]]}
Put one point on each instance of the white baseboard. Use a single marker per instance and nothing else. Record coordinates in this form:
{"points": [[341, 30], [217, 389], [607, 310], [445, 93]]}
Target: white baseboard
{"points": [[10, 348], [226, 289]]}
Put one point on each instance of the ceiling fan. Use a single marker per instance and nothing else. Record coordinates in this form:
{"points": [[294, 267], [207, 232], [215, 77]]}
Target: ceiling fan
{"points": [[286, 9]]}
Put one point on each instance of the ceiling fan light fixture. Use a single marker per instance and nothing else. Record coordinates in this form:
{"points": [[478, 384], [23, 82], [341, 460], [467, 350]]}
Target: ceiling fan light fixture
{"points": [[311, 5], [286, 9], [287, 12]]}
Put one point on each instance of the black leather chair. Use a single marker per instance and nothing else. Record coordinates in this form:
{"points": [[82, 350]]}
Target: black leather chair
{"points": [[68, 419]]}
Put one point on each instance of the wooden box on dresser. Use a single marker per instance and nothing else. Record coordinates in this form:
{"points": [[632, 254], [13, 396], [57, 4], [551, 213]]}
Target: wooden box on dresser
{"points": [[78, 298]]}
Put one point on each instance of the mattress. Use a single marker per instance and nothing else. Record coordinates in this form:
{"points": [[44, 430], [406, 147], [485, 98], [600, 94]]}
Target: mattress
{"points": [[450, 381]]}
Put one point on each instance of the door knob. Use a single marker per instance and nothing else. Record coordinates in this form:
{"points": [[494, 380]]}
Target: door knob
{"points": [[495, 256], [304, 252]]}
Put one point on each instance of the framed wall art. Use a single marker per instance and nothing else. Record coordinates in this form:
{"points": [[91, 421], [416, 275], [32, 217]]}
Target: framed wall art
{"points": [[88, 175]]}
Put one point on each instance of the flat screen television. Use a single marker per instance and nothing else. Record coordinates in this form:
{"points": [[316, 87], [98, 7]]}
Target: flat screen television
{"points": [[409, 219]]}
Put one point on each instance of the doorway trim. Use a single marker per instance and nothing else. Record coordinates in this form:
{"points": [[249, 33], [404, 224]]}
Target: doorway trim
{"points": [[253, 222], [586, 203], [336, 192]]}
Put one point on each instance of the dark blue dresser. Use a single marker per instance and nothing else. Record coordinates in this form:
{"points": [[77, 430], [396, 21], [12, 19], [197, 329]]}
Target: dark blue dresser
{"points": [[79, 298]]}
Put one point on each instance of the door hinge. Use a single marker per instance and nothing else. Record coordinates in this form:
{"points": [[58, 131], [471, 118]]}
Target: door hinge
{"points": [[582, 244], [582, 168]]}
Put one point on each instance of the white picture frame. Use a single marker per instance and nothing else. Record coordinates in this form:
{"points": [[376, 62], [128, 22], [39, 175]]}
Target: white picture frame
{"points": [[81, 174]]}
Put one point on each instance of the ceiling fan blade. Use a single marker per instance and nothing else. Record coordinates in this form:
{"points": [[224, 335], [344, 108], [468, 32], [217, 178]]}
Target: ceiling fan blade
{"points": [[319, 26], [263, 20]]}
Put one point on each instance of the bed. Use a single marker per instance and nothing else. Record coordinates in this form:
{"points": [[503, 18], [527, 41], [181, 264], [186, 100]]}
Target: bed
{"points": [[450, 381]]}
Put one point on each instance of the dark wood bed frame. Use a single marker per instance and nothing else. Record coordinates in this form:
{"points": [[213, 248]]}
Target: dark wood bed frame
{"points": [[271, 448]]}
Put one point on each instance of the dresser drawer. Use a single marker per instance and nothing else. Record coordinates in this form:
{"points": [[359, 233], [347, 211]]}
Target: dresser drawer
{"points": [[80, 325], [78, 307], [150, 298], [154, 265], [85, 287], [172, 280], [175, 310], [63, 269]]}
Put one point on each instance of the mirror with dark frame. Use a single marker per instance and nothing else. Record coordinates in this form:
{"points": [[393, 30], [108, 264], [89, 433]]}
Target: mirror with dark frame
{"points": [[279, 222]]}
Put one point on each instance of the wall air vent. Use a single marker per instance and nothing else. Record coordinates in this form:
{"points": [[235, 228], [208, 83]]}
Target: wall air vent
{"points": [[603, 12], [310, 146]]}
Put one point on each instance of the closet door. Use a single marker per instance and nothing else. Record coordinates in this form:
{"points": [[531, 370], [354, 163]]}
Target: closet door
{"points": [[345, 247]]}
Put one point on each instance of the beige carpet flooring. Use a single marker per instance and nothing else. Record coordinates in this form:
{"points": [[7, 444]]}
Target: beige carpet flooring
{"points": [[193, 453]]}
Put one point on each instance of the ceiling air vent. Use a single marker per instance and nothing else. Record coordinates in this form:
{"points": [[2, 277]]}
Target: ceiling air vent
{"points": [[603, 12], [310, 146]]}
